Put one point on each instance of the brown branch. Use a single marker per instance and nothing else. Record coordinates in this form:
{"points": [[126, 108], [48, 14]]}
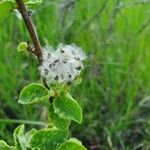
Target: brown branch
{"points": [[30, 27]]}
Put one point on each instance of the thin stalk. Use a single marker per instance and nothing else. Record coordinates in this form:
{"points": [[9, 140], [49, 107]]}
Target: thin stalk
{"points": [[23, 122]]}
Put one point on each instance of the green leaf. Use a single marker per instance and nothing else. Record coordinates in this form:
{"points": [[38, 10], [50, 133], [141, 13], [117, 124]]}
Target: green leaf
{"points": [[28, 136], [66, 107], [48, 139], [22, 141], [5, 146], [72, 144], [33, 93], [22, 47], [6, 7], [18, 134], [33, 2], [58, 122]]}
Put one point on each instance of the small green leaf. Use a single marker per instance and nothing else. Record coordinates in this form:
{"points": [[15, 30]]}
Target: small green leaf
{"points": [[72, 144], [48, 139], [22, 47], [58, 122], [28, 136], [33, 93], [5, 146], [66, 107], [22, 141], [6, 7], [18, 15], [18, 134]]}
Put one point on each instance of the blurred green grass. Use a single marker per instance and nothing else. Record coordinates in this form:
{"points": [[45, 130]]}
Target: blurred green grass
{"points": [[115, 34]]}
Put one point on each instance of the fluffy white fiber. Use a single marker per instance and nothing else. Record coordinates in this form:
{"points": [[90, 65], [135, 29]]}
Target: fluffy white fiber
{"points": [[63, 64]]}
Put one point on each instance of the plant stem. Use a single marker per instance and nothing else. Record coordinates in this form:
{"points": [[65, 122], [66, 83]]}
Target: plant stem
{"points": [[33, 34], [23, 122], [30, 27]]}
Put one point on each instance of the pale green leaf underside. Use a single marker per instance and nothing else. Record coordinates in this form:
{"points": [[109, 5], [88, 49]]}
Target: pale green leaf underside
{"points": [[66, 107], [6, 7], [32, 2], [33, 93], [58, 122], [72, 144], [18, 134], [48, 139]]}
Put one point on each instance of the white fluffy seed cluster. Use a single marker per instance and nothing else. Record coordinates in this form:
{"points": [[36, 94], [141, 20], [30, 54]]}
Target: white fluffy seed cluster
{"points": [[62, 65]]}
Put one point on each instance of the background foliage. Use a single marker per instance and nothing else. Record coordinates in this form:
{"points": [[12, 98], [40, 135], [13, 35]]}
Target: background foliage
{"points": [[115, 91]]}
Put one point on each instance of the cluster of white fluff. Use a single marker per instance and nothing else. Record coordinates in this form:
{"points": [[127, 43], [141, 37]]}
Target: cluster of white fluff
{"points": [[62, 65]]}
